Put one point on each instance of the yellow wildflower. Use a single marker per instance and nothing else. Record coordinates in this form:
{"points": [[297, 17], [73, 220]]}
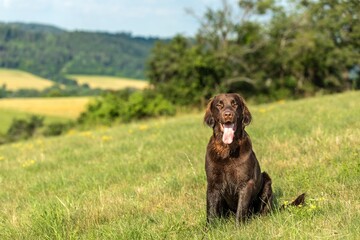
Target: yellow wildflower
{"points": [[28, 163], [106, 138], [312, 206], [143, 127], [71, 132], [86, 134], [262, 110]]}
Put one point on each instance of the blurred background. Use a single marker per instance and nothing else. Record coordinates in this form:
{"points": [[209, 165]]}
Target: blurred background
{"points": [[83, 63]]}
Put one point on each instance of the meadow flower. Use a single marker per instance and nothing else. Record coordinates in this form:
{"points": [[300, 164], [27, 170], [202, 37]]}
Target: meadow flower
{"points": [[262, 110], [71, 132], [312, 206], [87, 134], [143, 127], [28, 163], [106, 138]]}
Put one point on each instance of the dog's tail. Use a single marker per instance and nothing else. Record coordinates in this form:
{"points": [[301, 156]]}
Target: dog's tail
{"points": [[300, 200]]}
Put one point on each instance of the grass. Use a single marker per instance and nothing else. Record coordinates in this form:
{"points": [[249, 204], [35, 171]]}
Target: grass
{"points": [[107, 82], [146, 180], [64, 107], [16, 79]]}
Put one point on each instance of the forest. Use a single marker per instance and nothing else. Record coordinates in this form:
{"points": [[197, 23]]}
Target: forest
{"points": [[53, 53]]}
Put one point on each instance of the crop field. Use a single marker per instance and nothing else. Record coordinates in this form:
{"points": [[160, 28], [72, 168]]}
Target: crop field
{"points": [[107, 82], [16, 79], [146, 180], [65, 107]]}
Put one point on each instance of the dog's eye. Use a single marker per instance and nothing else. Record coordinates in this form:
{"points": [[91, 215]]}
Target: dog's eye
{"points": [[220, 105], [234, 104]]}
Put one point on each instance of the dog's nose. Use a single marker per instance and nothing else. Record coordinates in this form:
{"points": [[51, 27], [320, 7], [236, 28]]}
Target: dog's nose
{"points": [[228, 114]]}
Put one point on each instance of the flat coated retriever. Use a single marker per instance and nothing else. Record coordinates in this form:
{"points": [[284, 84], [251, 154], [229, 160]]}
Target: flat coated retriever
{"points": [[235, 182]]}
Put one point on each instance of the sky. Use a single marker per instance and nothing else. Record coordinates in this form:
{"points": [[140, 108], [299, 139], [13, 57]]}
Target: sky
{"points": [[156, 18]]}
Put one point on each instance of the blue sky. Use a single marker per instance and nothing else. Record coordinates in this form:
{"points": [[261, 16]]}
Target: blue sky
{"points": [[163, 18]]}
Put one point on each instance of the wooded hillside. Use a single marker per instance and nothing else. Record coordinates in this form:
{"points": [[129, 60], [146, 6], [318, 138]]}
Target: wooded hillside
{"points": [[52, 52]]}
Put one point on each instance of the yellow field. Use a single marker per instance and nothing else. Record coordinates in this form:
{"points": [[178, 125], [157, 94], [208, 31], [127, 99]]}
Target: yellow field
{"points": [[16, 79], [67, 107], [107, 82]]}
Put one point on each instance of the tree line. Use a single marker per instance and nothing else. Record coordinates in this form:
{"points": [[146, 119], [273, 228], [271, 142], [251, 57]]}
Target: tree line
{"points": [[263, 49]]}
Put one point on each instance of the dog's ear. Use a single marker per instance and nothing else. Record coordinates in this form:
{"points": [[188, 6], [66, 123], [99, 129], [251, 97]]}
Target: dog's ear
{"points": [[246, 120], [209, 118]]}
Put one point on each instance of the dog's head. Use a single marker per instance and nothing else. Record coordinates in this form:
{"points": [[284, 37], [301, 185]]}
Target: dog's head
{"points": [[228, 115]]}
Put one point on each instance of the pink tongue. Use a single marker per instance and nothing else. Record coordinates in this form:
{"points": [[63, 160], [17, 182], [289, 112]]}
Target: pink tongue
{"points": [[228, 134]]}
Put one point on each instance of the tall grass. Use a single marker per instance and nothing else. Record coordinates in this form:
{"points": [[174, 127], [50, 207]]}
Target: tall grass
{"points": [[146, 180]]}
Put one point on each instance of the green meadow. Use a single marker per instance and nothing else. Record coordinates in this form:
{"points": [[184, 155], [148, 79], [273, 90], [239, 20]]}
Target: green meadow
{"points": [[146, 180]]}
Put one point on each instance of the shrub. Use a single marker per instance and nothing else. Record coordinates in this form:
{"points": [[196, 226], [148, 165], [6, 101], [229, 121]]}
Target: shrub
{"points": [[56, 128], [21, 129], [125, 106]]}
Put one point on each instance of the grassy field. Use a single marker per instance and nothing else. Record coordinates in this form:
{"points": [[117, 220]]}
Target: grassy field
{"points": [[146, 180], [16, 79], [65, 107], [107, 82]]}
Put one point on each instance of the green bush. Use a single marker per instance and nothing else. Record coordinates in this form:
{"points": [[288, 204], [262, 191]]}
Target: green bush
{"points": [[56, 128], [21, 129], [125, 106]]}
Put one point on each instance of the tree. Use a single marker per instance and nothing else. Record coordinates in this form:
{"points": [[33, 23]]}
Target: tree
{"points": [[289, 53]]}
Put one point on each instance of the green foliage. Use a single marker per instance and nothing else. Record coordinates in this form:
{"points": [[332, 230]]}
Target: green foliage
{"points": [[3, 91], [28, 127], [179, 72], [21, 129], [303, 48], [56, 128], [53, 53], [125, 106]]}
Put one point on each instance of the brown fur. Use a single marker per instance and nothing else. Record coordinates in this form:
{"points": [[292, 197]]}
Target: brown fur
{"points": [[235, 183]]}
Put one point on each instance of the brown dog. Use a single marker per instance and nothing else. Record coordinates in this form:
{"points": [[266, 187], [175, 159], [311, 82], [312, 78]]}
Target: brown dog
{"points": [[235, 182]]}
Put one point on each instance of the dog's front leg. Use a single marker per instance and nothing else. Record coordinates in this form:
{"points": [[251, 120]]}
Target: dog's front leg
{"points": [[245, 194], [213, 204]]}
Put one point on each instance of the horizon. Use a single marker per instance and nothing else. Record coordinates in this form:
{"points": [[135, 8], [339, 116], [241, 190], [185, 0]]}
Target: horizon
{"points": [[147, 18]]}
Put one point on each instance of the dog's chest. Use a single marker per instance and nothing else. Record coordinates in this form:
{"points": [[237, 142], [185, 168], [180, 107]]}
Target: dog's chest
{"points": [[233, 180], [234, 177]]}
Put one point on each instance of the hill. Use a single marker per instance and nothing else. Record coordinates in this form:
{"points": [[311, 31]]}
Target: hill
{"points": [[146, 180], [49, 52]]}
